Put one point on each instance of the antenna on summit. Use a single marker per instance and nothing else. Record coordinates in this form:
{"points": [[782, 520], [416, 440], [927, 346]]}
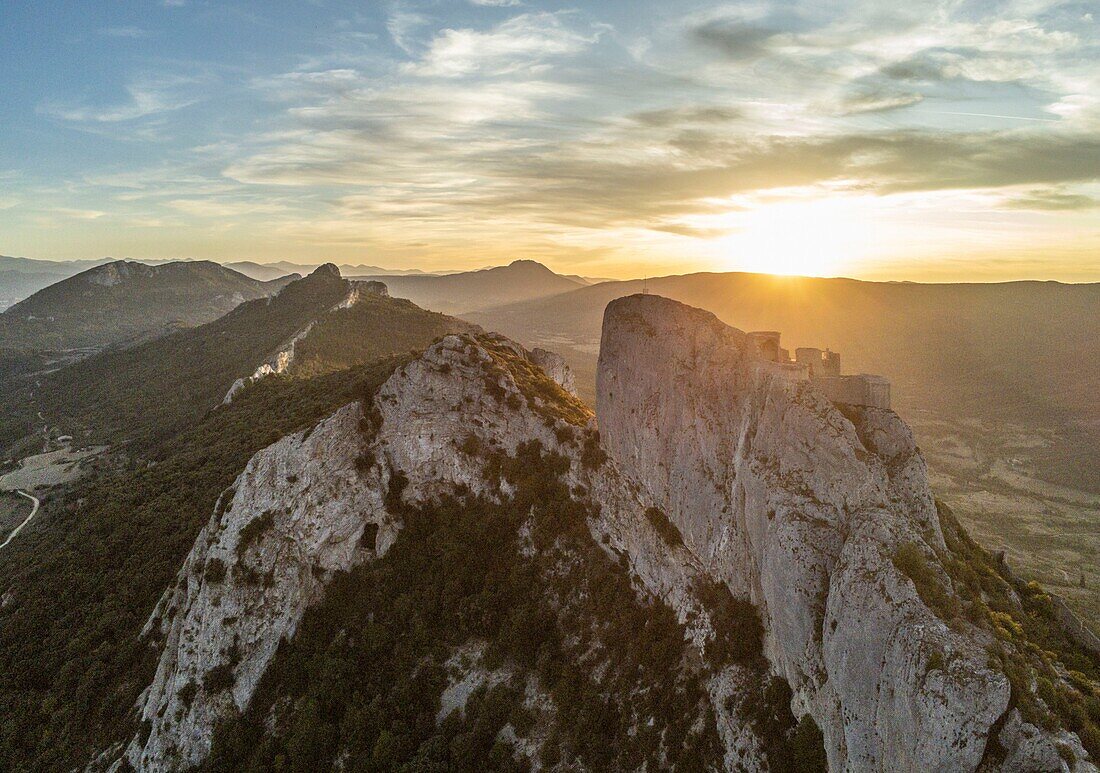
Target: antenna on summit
{"points": [[645, 286]]}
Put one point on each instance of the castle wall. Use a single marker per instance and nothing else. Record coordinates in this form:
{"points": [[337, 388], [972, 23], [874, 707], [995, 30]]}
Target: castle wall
{"points": [[766, 343], [864, 389]]}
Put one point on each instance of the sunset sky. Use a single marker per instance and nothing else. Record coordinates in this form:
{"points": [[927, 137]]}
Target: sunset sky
{"points": [[879, 139]]}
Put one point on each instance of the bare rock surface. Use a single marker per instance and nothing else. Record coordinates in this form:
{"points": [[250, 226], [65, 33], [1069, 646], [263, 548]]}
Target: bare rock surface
{"points": [[800, 507], [777, 493]]}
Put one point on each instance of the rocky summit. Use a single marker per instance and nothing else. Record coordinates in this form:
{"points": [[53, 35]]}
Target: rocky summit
{"points": [[720, 570]]}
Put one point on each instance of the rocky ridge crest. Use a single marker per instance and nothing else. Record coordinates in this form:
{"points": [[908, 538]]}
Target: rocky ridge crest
{"points": [[771, 492]]}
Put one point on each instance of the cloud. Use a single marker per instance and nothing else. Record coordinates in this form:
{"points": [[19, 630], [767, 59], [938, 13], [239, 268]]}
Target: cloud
{"points": [[516, 44], [125, 32], [78, 214], [402, 26], [690, 114], [146, 97], [542, 129], [212, 207], [877, 102], [1052, 200], [736, 40]]}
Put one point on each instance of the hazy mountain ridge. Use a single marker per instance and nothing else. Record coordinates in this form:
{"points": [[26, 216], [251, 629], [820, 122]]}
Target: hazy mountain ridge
{"points": [[21, 277], [521, 280], [125, 303], [828, 525], [948, 347]]}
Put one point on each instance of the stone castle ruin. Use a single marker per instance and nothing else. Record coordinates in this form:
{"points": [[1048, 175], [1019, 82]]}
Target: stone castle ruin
{"points": [[823, 369]]}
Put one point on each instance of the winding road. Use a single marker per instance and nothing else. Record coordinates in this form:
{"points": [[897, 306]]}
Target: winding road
{"points": [[19, 528]]}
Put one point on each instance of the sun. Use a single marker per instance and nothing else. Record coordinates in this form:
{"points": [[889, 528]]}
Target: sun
{"points": [[818, 237]]}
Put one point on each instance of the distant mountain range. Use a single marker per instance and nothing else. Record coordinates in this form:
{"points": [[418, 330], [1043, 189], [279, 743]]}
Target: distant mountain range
{"points": [[1007, 348], [467, 291], [124, 303], [22, 277]]}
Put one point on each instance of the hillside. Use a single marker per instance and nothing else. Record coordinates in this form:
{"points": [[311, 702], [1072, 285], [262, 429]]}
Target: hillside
{"points": [[125, 303], [730, 578], [997, 350], [156, 388], [520, 280], [435, 562]]}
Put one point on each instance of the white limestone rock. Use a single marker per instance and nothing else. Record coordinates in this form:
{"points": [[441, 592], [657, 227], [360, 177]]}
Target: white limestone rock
{"points": [[777, 494], [307, 507], [800, 508], [554, 366]]}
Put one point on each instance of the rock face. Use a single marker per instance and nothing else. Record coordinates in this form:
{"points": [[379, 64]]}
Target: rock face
{"points": [[304, 508], [800, 508], [299, 512], [283, 356], [555, 367], [776, 493]]}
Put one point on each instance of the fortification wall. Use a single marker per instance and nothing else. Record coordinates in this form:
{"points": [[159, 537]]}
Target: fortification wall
{"points": [[863, 389]]}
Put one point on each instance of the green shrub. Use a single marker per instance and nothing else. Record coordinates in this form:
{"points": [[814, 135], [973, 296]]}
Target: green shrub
{"points": [[187, 694], [808, 747], [738, 632], [218, 679], [215, 571], [592, 455], [664, 527], [911, 562], [253, 530]]}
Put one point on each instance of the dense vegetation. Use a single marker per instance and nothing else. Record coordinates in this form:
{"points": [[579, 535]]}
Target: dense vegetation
{"points": [[83, 583], [150, 392], [362, 679]]}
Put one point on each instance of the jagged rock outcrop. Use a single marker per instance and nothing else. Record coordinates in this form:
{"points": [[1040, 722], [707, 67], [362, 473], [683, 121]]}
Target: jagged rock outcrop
{"points": [[284, 355], [278, 363], [772, 492], [300, 511], [554, 366], [800, 507]]}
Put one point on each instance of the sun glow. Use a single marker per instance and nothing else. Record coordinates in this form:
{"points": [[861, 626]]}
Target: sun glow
{"points": [[817, 237]]}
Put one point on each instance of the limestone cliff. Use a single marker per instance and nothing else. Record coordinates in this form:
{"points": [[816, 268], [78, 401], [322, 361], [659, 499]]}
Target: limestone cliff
{"points": [[721, 480], [801, 507]]}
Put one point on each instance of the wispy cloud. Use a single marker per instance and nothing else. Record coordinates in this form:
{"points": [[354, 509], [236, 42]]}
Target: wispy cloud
{"points": [[125, 32], [145, 97], [520, 43], [597, 130], [1053, 200]]}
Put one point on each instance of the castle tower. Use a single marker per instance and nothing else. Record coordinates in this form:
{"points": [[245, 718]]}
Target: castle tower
{"points": [[766, 343]]}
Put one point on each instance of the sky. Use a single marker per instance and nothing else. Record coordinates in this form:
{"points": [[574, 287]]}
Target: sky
{"points": [[927, 140]]}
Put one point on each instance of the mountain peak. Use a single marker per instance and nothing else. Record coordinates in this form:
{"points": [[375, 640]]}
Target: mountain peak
{"points": [[327, 270], [527, 264]]}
